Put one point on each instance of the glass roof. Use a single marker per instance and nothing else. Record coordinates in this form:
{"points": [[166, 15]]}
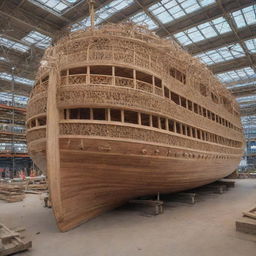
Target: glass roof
{"points": [[221, 54], [245, 16], [103, 13], [110, 9], [203, 31], [247, 98], [39, 40], [58, 6], [142, 18], [3, 59], [251, 45], [81, 25], [17, 79], [13, 45], [7, 96], [241, 85], [235, 75], [169, 10]]}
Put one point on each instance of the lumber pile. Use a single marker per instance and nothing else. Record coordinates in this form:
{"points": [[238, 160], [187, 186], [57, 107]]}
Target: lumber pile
{"points": [[11, 241], [247, 224], [12, 192], [37, 184]]}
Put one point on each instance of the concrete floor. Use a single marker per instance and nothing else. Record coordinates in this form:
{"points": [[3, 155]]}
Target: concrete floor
{"points": [[204, 229]]}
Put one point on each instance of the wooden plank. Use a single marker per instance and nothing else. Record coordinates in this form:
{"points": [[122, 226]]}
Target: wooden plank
{"points": [[11, 241]]}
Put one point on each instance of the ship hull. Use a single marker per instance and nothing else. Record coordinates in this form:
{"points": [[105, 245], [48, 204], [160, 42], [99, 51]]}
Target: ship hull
{"points": [[93, 181]]}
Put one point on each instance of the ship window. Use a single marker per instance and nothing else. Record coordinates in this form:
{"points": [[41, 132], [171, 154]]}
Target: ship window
{"points": [[189, 105], [115, 115], [178, 128], [131, 117], [145, 119], [99, 114], [155, 121], [45, 79], [162, 122], [184, 130], [209, 114], [200, 110], [175, 98], [213, 116], [84, 113], [75, 71], [171, 125], [214, 98], [158, 82], [203, 135], [203, 90], [33, 123], [63, 72], [198, 134], [124, 72], [74, 113], [178, 75], [204, 112], [166, 92], [194, 132], [101, 70], [144, 77], [41, 121], [183, 102], [188, 131], [195, 108]]}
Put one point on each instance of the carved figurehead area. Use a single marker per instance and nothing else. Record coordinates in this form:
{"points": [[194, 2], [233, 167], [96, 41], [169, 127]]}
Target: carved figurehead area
{"points": [[118, 113]]}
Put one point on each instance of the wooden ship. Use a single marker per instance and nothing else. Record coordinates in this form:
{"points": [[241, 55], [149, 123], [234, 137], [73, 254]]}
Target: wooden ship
{"points": [[117, 113]]}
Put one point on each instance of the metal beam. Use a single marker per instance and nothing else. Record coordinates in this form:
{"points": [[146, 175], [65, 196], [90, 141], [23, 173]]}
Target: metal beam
{"points": [[232, 64], [203, 15], [220, 41], [30, 20]]}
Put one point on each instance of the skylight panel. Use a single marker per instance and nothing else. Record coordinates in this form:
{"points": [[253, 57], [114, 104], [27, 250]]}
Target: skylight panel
{"points": [[251, 45], [169, 10], [241, 85], [203, 31], [245, 16], [110, 9], [17, 79], [143, 19], [221, 54], [3, 59], [58, 6], [81, 25], [103, 13], [235, 75], [39, 40], [7, 97], [247, 98], [13, 45]]}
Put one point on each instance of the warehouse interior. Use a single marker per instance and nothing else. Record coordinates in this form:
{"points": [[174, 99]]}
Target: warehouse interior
{"points": [[220, 33]]}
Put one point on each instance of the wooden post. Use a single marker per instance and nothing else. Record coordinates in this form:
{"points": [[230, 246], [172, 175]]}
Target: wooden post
{"points": [[134, 79], [139, 118], [113, 76], [52, 146]]}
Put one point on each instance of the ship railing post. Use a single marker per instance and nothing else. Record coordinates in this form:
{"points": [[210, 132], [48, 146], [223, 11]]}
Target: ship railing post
{"points": [[113, 76]]}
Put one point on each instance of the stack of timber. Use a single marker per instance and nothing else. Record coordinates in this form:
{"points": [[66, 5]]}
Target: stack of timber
{"points": [[37, 185], [12, 192], [247, 224], [11, 241]]}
